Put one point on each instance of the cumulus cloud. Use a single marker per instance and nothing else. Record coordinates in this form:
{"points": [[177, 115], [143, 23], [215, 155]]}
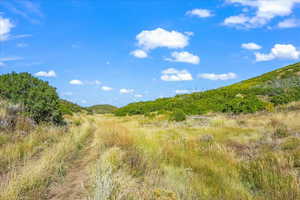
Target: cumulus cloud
{"points": [[265, 11], [138, 96], [50, 73], [289, 23], [172, 74], [184, 57], [106, 88], [5, 28], [139, 53], [279, 51], [251, 46], [236, 20], [159, 37], [201, 13], [126, 91], [216, 77], [76, 82]]}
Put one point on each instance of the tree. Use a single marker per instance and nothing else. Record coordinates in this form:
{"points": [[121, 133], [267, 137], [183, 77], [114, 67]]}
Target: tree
{"points": [[39, 99]]}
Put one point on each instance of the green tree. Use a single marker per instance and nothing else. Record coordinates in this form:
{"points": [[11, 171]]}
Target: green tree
{"points": [[39, 99]]}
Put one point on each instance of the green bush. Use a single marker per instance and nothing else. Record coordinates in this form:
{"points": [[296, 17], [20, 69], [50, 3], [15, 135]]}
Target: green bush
{"points": [[244, 105], [178, 115], [40, 100]]}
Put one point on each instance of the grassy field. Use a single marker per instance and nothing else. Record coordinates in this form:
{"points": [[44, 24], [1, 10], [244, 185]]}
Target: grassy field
{"points": [[103, 157]]}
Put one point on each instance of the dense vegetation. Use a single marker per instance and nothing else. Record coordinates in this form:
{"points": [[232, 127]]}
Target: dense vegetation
{"points": [[68, 108], [263, 92], [39, 99], [102, 109]]}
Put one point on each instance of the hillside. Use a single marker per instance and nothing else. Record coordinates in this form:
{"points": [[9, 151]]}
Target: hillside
{"points": [[68, 107], [102, 109], [280, 86]]}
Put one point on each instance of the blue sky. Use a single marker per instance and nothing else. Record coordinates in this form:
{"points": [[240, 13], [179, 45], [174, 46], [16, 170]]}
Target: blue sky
{"points": [[121, 51]]}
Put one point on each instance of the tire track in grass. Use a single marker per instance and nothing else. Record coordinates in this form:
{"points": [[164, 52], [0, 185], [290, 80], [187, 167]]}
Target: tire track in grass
{"points": [[76, 183], [38, 174]]}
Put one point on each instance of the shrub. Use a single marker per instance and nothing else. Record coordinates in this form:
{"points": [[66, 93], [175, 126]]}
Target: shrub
{"points": [[40, 100], [239, 105], [178, 115]]}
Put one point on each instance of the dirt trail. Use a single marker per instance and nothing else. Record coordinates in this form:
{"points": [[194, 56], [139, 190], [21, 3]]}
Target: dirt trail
{"points": [[74, 185]]}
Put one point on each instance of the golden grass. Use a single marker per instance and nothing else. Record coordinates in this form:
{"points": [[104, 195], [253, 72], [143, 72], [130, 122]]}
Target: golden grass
{"points": [[29, 146], [37, 173], [172, 161], [249, 157]]}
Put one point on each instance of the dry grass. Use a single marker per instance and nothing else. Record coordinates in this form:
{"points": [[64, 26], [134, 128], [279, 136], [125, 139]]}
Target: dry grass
{"points": [[220, 157], [38, 173]]}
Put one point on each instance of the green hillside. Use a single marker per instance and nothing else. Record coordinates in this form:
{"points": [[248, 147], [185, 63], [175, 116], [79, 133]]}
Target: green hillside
{"points": [[102, 109], [69, 108], [280, 86]]}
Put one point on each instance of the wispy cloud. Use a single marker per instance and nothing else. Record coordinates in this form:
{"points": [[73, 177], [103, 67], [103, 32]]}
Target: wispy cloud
{"points": [[28, 10], [217, 77]]}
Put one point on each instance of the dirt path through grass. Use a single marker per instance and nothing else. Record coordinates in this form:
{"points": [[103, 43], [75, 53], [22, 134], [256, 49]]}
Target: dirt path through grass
{"points": [[74, 185], [30, 181]]}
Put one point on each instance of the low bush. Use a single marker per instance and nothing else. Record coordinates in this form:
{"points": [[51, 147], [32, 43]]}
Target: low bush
{"points": [[178, 115]]}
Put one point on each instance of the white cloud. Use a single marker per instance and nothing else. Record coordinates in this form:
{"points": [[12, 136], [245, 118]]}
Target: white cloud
{"points": [[106, 88], [185, 57], [5, 28], [289, 23], [189, 33], [162, 38], [76, 82], [172, 74], [50, 73], [97, 82], [215, 77], [279, 51], [251, 46], [126, 91], [265, 11], [138, 96], [182, 91], [235, 20], [2, 64], [139, 53], [201, 13]]}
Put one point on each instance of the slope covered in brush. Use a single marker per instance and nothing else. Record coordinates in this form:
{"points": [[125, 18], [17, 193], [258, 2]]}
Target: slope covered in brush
{"points": [[102, 109], [263, 92]]}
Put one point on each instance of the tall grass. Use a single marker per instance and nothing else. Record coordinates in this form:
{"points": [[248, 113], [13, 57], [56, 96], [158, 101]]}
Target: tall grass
{"points": [[174, 162], [30, 145], [38, 173]]}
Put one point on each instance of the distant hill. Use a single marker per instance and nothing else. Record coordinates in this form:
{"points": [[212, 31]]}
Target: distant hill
{"points": [[102, 109], [280, 86]]}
